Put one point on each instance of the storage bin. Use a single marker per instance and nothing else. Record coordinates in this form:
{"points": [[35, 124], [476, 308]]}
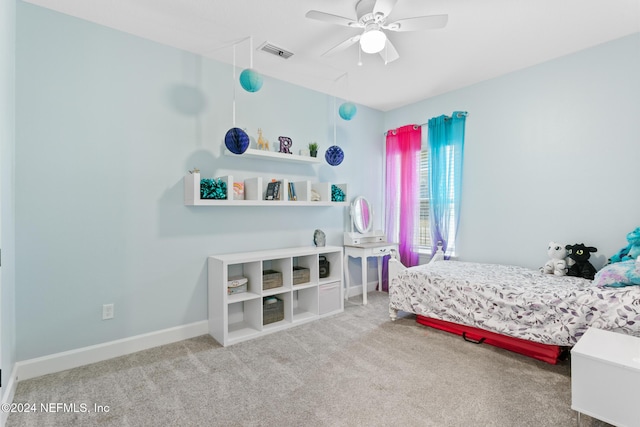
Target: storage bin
{"points": [[271, 279], [301, 275], [236, 285], [329, 297], [272, 311]]}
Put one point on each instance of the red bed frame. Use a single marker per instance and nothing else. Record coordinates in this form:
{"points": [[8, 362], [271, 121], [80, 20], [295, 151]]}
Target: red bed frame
{"points": [[545, 352]]}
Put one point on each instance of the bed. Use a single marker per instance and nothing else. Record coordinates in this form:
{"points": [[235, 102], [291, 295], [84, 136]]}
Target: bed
{"points": [[516, 308]]}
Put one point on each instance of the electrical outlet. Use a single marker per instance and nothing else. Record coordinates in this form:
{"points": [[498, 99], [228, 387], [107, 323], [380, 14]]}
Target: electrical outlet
{"points": [[107, 311]]}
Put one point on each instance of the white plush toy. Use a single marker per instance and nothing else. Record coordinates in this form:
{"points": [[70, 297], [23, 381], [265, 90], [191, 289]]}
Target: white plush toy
{"points": [[558, 263]]}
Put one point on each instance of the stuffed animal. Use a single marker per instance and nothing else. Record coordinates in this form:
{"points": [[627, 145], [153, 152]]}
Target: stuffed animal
{"points": [[581, 267], [631, 251], [558, 263]]}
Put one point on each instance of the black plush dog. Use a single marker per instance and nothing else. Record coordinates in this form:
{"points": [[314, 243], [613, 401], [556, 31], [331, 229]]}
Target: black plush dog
{"points": [[580, 254]]}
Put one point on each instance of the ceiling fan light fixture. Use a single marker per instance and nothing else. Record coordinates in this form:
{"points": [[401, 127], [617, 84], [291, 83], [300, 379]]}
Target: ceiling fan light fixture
{"points": [[373, 41]]}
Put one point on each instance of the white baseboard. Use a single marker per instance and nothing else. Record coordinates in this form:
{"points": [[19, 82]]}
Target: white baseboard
{"points": [[9, 390], [357, 289], [96, 353]]}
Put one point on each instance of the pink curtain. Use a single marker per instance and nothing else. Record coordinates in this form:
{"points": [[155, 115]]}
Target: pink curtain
{"points": [[402, 188]]}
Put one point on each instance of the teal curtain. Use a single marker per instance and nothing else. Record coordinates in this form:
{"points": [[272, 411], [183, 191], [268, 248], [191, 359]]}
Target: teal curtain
{"points": [[446, 147]]}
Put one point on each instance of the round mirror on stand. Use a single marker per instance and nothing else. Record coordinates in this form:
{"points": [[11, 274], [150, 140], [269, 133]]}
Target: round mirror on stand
{"points": [[362, 215]]}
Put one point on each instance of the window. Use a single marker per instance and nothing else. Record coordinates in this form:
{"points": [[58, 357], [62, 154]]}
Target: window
{"points": [[423, 233]]}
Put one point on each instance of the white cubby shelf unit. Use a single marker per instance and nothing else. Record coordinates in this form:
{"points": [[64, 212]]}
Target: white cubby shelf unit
{"points": [[255, 189], [239, 317]]}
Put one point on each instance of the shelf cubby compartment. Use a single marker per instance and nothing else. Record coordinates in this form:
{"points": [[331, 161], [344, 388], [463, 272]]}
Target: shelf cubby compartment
{"points": [[253, 189], [283, 193], [303, 191], [305, 304], [285, 297], [309, 262], [343, 187], [323, 189], [253, 272], [192, 190], [283, 266], [244, 319], [335, 267]]}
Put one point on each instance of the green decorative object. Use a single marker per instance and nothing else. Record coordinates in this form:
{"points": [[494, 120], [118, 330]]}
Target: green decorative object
{"points": [[313, 149], [213, 189], [337, 195]]}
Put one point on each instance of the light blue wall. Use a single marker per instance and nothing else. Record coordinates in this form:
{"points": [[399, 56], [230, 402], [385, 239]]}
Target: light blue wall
{"points": [[551, 153], [7, 225], [107, 126]]}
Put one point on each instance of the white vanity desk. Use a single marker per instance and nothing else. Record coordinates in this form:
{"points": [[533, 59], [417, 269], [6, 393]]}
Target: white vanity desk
{"points": [[363, 251], [364, 243]]}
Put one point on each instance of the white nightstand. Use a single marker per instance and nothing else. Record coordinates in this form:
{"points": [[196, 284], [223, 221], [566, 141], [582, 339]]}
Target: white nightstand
{"points": [[605, 377]]}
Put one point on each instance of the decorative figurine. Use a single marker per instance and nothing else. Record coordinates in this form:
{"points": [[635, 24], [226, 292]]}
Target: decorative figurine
{"points": [[285, 143], [263, 144], [319, 238]]}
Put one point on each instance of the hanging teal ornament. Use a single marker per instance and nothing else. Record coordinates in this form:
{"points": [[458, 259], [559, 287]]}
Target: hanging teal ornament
{"points": [[347, 110], [250, 80], [236, 140], [334, 155]]}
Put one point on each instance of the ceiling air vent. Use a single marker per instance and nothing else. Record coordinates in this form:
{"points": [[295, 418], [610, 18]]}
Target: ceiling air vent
{"points": [[275, 50]]}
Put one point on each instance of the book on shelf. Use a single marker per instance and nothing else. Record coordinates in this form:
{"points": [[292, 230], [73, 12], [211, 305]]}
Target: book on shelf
{"points": [[292, 191], [273, 190]]}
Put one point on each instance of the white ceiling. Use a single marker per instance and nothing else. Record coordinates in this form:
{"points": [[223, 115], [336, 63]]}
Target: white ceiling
{"points": [[482, 40]]}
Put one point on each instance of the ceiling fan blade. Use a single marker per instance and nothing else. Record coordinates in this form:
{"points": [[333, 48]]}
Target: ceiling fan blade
{"points": [[332, 19], [342, 46], [431, 22], [389, 53], [384, 7]]}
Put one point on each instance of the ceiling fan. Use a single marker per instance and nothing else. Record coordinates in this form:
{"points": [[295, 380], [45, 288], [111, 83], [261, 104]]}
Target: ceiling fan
{"points": [[372, 17]]}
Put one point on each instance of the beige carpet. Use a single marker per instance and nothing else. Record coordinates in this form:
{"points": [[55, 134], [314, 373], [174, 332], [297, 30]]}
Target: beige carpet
{"points": [[354, 369]]}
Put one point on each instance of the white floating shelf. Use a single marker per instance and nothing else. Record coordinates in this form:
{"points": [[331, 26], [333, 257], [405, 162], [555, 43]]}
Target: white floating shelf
{"points": [[253, 153], [254, 189], [213, 202]]}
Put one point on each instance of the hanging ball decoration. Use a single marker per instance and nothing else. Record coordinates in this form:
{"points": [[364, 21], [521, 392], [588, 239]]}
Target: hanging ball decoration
{"points": [[250, 80], [334, 155], [236, 140], [347, 110]]}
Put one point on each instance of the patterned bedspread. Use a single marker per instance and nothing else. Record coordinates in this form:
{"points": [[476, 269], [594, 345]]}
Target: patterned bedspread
{"points": [[515, 301]]}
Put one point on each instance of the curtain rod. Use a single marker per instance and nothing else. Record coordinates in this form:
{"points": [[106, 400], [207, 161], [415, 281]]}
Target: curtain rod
{"points": [[460, 114]]}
